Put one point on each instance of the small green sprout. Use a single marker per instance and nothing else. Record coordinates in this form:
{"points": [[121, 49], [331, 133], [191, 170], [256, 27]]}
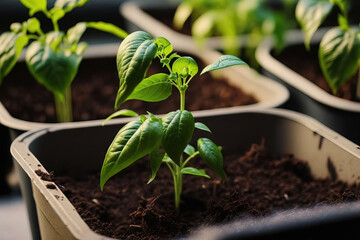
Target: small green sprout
{"points": [[53, 58], [166, 140]]}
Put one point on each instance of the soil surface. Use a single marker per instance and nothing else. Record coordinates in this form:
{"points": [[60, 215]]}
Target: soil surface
{"points": [[306, 63], [94, 91], [257, 184]]}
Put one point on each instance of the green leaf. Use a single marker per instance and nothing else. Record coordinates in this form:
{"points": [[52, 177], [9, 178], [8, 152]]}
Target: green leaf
{"points": [[74, 33], [167, 159], [185, 66], [16, 27], [178, 131], [135, 140], [189, 150], [202, 126], [211, 154], [54, 70], [194, 171], [310, 14], [57, 14], [223, 62], [134, 57], [155, 88], [11, 45], [34, 5], [122, 112], [156, 158], [109, 28], [182, 13], [164, 45], [33, 25], [69, 5], [339, 54]]}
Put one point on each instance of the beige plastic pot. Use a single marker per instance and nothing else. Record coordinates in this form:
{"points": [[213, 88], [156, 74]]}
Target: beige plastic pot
{"points": [[339, 114], [268, 93], [66, 148]]}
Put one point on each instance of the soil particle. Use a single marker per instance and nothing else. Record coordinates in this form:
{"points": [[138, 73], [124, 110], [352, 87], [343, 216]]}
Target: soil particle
{"points": [[45, 176]]}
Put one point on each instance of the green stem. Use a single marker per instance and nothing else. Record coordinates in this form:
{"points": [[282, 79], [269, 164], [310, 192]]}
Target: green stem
{"points": [[182, 100], [63, 106], [358, 84], [177, 184]]}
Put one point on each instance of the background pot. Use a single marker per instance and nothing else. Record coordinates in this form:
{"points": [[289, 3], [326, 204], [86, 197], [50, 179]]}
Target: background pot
{"points": [[268, 93], [339, 114], [284, 131]]}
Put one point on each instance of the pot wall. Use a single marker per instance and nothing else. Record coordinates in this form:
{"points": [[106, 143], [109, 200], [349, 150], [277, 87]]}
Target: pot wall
{"points": [[341, 115], [284, 132]]}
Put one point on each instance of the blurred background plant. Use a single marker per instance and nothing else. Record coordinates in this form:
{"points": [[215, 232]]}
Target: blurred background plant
{"points": [[339, 49], [52, 57], [230, 19]]}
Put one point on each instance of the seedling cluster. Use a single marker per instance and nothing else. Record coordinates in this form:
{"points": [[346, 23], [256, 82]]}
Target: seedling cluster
{"points": [[166, 140]]}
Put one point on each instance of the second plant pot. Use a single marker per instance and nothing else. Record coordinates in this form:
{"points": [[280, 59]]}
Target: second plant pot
{"points": [[78, 150], [339, 114]]}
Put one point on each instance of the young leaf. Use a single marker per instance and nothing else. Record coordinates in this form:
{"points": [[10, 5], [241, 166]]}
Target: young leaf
{"points": [[69, 5], [156, 158], [189, 150], [165, 45], [202, 126], [211, 154], [194, 171], [178, 131], [34, 5], [185, 64], [134, 57], [33, 25], [11, 45], [135, 140], [54, 70], [339, 55], [155, 88], [223, 62], [74, 33], [310, 14], [122, 112], [107, 27]]}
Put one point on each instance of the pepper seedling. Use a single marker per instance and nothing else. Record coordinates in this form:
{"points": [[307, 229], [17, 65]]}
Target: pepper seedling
{"points": [[339, 50], [166, 140], [53, 58]]}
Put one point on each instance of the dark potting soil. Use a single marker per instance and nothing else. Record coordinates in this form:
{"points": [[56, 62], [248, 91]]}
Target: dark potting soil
{"points": [[257, 184], [94, 91], [306, 63]]}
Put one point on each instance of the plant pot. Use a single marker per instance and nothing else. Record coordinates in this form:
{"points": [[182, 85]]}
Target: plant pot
{"points": [[284, 131], [267, 92], [339, 114]]}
